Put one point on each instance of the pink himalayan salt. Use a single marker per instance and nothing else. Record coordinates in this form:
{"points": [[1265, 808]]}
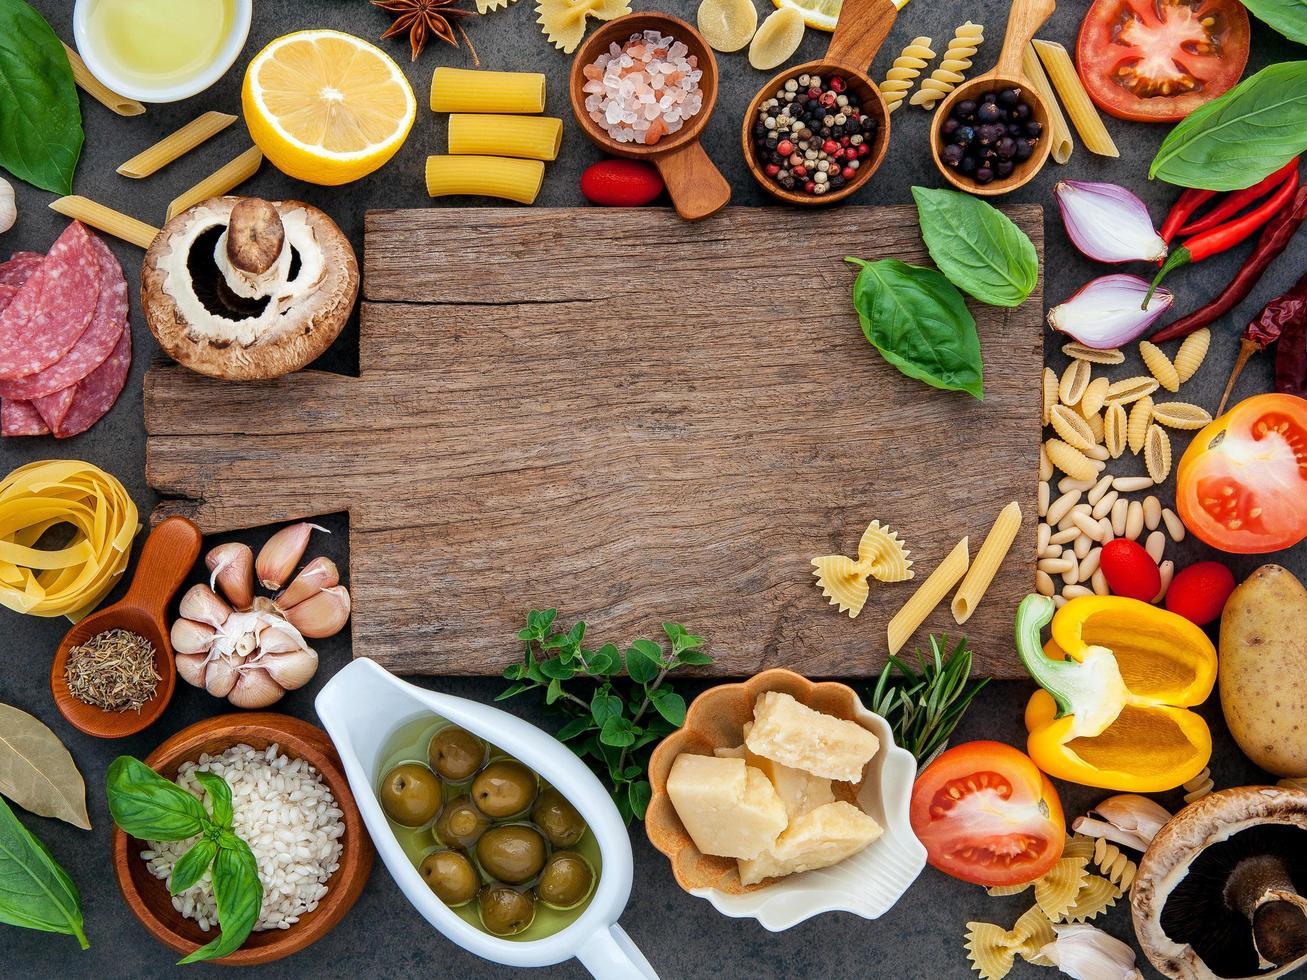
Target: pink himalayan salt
{"points": [[643, 90]]}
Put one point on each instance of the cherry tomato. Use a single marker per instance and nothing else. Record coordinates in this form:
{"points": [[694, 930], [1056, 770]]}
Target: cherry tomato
{"points": [[1198, 593], [1129, 570], [1242, 484], [1159, 60], [987, 815], [621, 183]]}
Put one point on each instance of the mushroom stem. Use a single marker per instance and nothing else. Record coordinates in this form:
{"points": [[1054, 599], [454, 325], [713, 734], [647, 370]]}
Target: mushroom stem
{"points": [[255, 236], [1261, 890]]}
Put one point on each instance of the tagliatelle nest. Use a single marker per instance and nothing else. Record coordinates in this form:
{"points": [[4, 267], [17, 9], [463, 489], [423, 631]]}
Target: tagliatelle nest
{"points": [[881, 555]]}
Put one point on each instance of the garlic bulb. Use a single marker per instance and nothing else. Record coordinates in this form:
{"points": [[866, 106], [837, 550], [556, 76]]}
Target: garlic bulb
{"points": [[8, 206]]}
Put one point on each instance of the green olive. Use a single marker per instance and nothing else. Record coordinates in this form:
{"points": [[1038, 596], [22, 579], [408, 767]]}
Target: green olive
{"points": [[566, 880], [455, 753], [505, 911], [451, 876], [513, 853], [460, 823], [410, 794], [557, 818], [504, 788]]}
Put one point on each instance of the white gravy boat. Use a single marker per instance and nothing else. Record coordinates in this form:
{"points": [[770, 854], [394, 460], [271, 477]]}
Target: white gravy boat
{"points": [[363, 706]]}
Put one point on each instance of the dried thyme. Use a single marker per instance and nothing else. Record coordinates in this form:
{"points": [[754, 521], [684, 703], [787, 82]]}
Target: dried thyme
{"points": [[113, 671]]}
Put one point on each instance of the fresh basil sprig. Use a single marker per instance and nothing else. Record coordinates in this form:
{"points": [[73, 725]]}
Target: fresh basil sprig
{"points": [[917, 320], [149, 807], [614, 724], [977, 246], [1248, 133], [35, 892], [1289, 17]]}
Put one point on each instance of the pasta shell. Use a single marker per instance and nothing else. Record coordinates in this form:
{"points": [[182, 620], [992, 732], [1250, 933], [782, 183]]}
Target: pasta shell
{"points": [[727, 25], [1181, 415], [1115, 426], [1071, 461], [1159, 366], [1074, 381], [1129, 390], [1072, 427], [1141, 416], [1082, 353], [1049, 393], [1095, 420], [1193, 350], [1095, 395], [1157, 453], [1096, 896], [777, 39]]}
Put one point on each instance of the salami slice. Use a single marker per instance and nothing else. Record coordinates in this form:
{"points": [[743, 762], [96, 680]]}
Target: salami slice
{"points": [[20, 266], [19, 418], [100, 338], [52, 309], [97, 392], [54, 407]]}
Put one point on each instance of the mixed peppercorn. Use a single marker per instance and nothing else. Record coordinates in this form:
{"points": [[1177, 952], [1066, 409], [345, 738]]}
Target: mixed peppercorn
{"points": [[812, 137], [986, 139]]}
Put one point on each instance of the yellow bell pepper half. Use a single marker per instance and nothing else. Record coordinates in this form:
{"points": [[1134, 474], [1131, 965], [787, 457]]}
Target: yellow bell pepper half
{"points": [[1117, 678]]}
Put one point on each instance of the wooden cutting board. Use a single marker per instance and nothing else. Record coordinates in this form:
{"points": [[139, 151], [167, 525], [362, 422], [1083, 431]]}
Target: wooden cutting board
{"points": [[628, 417]]}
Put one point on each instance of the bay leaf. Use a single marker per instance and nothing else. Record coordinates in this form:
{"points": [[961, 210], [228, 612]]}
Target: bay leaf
{"points": [[37, 772]]}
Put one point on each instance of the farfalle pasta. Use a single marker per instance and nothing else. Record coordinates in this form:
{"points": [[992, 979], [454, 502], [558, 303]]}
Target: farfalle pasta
{"points": [[1096, 896], [881, 555], [992, 949], [563, 21]]}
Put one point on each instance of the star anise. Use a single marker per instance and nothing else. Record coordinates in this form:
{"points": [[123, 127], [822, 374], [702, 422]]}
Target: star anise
{"points": [[420, 18]]}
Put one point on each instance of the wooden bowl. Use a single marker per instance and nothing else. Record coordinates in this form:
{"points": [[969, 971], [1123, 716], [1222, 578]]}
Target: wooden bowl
{"points": [[695, 185], [861, 29], [148, 897], [166, 560], [1025, 18]]}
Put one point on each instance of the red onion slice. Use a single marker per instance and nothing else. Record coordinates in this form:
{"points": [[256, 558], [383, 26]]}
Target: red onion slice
{"points": [[1107, 222], [1106, 311]]}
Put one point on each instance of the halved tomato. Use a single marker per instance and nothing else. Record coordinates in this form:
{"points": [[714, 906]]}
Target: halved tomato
{"points": [[986, 814], [1159, 60], [1242, 483]]}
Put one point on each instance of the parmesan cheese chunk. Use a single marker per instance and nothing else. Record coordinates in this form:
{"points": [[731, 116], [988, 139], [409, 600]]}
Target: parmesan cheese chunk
{"points": [[799, 791], [729, 809], [794, 735], [826, 836]]}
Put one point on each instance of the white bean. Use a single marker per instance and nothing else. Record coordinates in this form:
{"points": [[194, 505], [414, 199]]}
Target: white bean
{"points": [[1174, 526], [1106, 526], [1066, 485], [1119, 511], [1132, 484], [1089, 563], [1105, 502], [1055, 566], [1099, 581], [1152, 512], [1043, 582], [1100, 488], [1042, 535], [1155, 545], [1059, 601], [1082, 545], [1167, 572], [1045, 464], [1060, 507], [1088, 526], [1134, 520], [1064, 535], [1043, 497], [1052, 551], [1076, 591], [1072, 575]]}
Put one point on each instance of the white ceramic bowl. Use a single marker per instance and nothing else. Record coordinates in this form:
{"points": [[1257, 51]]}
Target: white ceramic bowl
{"points": [[362, 707], [227, 54]]}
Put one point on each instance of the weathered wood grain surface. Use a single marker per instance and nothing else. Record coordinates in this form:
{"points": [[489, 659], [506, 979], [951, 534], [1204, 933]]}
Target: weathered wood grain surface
{"points": [[628, 417]]}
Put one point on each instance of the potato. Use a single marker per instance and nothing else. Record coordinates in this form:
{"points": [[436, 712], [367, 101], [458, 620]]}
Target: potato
{"points": [[1263, 670]]}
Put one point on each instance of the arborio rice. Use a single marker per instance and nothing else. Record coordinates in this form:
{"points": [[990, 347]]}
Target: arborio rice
{"points": [[287, 815]]}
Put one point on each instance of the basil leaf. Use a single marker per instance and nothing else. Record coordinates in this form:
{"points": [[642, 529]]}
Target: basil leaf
{"points": [[40, 120], [1289, 17], [149, 807], [219, 794], [238, 894], [190, 867], [977, 247], [917, 320], [1248, 133], [35, 892]]}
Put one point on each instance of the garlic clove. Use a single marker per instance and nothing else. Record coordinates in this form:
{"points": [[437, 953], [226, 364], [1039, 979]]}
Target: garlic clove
{"points": [[319, 574], [221, 675], [282, 552], [190, 637], [8, 206], [190, 668], [255, 689], [281, 639], [1084, 952], [232, 568], [293, 669], [203, 605], [323, 614]]}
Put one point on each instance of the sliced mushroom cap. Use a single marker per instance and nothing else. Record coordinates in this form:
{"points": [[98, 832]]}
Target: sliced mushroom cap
{"points": [[245, 289], [1219, 890]]}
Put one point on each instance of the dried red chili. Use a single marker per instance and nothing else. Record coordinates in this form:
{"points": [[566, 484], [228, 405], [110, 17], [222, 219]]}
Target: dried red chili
{"points": [[1278, 321]]}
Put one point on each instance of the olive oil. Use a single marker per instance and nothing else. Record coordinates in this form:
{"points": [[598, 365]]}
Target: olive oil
{"points": [[409, 744], [160, 42]]}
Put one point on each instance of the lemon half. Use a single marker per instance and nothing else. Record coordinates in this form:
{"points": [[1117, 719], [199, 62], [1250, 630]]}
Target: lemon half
{"points": [[820, 15]]}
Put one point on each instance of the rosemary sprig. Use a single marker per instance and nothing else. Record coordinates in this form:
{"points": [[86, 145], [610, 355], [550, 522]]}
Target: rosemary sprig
{"points": [[924, 708]]}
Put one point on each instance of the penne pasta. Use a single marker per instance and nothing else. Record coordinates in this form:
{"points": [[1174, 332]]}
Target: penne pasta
{"points": [[927, 597], [514, 180], [992, 551], [467, 90], [226, 178], [1059, 133], [529, 137], [1085, 118], [176, 145], [105, 219], [97, 90]]}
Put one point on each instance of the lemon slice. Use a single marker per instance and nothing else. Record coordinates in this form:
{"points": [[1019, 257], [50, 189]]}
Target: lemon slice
{"points": [[820, 15], [777, 39], [727, 25], [327, 107]]}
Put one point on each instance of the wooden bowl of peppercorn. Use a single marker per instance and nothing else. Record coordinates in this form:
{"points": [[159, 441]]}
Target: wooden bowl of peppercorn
{"points": [[861, 29]]}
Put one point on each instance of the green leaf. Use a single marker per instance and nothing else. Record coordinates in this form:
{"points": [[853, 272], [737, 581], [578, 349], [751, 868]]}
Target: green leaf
{"points": [[238, 895], [514, 672], [640, 793], [1289, 17], [642, 661], [605, 661], [554, 692], [670, 705], [190, 867], [35, 892], [917, 320], [695, 658], [512, 691], [1244, 135], [40, 120], [617, 732], [977, 247], [557, 670], [219, 794], [149, 807], [604, 705], [575, 727]]}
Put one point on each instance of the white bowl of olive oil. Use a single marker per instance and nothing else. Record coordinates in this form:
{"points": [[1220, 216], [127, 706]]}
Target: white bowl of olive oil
{"points": [[160, 50]]}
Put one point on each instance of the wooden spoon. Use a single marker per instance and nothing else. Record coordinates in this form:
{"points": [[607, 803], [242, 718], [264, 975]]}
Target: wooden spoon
{"points": [[1025, 18], [166, 560], [861, 29], [695, 185]]}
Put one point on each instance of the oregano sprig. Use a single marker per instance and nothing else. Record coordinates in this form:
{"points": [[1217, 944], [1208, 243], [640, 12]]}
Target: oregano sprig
{"points": [[613, 721]]}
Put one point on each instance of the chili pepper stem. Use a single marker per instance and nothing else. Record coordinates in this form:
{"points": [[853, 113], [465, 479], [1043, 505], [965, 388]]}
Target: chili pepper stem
{"points": [[1247, 348], [1179, 257]]}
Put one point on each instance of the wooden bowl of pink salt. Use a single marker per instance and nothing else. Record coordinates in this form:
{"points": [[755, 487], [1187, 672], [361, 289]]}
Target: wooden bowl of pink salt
{"points": [[643, 86]]}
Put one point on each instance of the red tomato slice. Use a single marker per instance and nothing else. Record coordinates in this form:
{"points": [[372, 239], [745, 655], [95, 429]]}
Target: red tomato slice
{"points": [[1242, 483], [1159, 60], [987, 815]]}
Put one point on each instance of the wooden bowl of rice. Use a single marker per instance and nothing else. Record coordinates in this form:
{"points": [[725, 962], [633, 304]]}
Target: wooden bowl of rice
{"points": [[147, 895]]}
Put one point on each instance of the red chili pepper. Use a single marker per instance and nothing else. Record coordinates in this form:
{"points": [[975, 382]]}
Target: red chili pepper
{"points": [[1186, 204], [1226, 236], [1236, 201]]}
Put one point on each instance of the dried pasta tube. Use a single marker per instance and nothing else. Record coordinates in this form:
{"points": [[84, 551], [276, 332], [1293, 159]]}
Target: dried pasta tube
{"points": [[514, 180], [97, 90], [528, 137], [226, 178], [1059, 133], [1062, 73], [105, 219], [988, 559], [927, 597], [176, 144], [468, 90]]}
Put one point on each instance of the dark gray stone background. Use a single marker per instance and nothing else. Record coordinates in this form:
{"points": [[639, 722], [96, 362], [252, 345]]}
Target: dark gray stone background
{"points": [[682, 936]]}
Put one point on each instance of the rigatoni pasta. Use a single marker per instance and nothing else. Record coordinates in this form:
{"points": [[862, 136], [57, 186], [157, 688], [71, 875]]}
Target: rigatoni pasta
{"points": [[927, 597], [97, 90], [468, 90], [529, 137], [226, 178], [992, 551], [1085, 118], [105, 219], [506, 177], [1059, 133], [176, 145]]}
